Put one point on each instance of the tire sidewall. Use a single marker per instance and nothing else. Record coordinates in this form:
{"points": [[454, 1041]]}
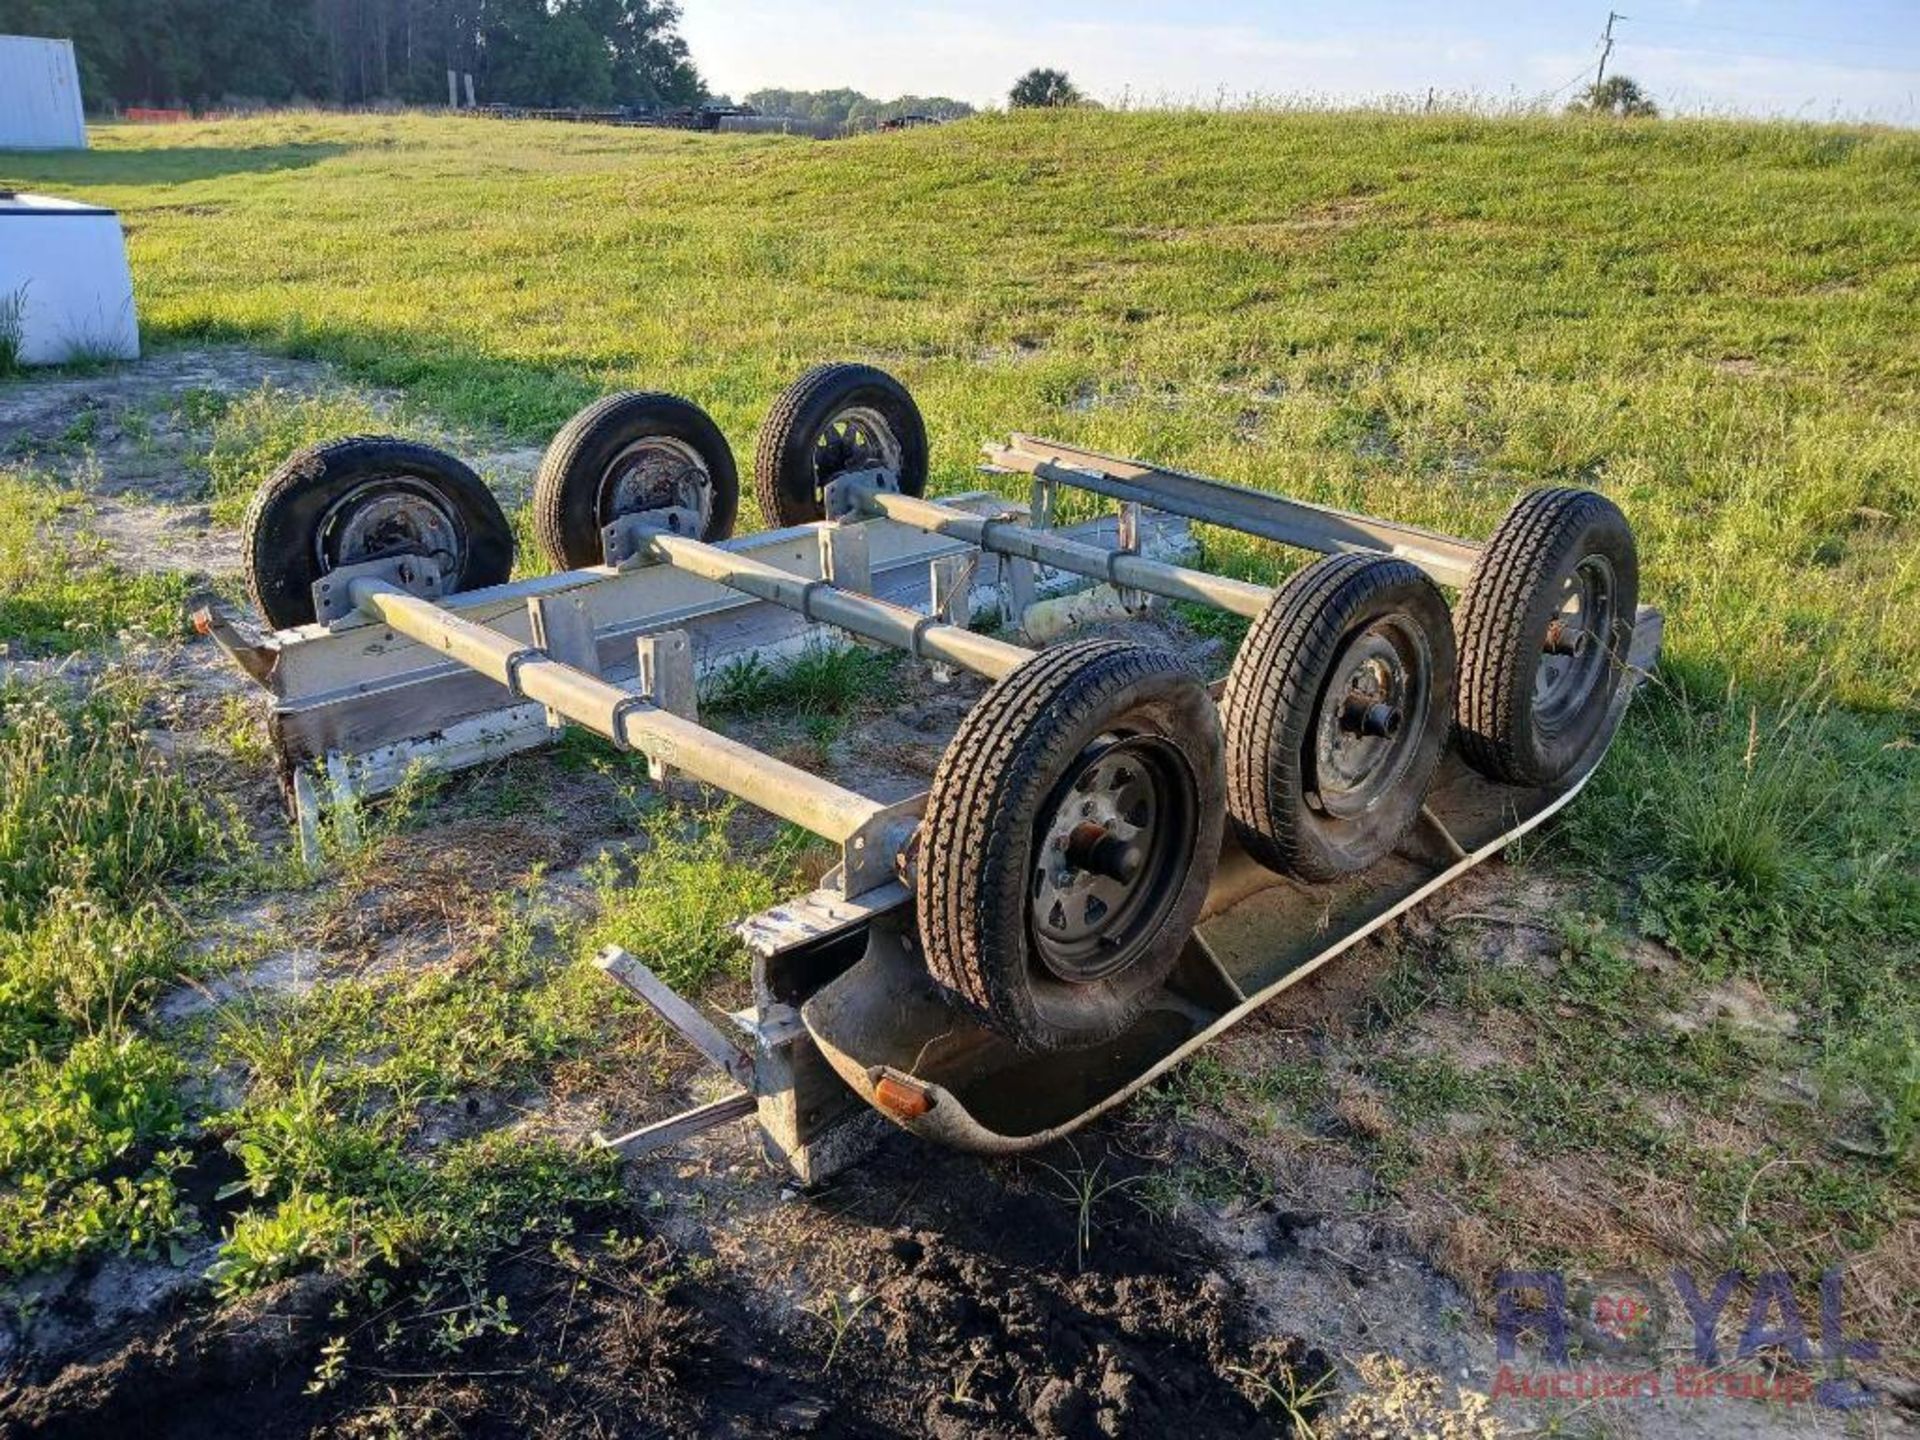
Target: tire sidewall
{"points": [[282, 565], [1053, 1013], [1334, 846], [580, 458], [863, 387], [1604, 532]]}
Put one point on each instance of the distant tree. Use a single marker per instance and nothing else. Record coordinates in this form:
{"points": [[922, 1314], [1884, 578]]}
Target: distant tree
{"points": [[1617, 95], [841, 107], [1040, 88]]}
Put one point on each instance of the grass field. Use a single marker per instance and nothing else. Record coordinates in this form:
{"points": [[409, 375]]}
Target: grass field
{"points": [[1416, 316]]}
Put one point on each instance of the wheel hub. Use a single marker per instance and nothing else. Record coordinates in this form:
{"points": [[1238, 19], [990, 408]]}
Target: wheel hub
{"points": [[390, 516], [1574, 654], [1110, 856], [657, 473], [857, 438], [1369, 726]]}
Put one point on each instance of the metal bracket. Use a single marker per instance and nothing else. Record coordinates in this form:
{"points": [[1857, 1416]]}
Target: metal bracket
{"points": [[666, 679], [563, 627], [1045, 493], [241, 644], [873, 856], [684, 1126], [950, 596], [624, 539], [333, 592], [666, 1002], [1128, 543], [843, 494], [845, 562]]}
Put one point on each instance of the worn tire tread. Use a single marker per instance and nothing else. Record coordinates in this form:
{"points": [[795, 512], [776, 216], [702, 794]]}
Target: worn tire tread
{"points": [[1267, 710], [1520, 556], [786, 417], [990, 764]]}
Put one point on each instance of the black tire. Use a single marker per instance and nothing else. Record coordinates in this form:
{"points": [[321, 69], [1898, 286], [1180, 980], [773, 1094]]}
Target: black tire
{"points": [[590, 475], [1311, 794], [302, 522], [791, 466], [1517, 722], [1015, 772]]}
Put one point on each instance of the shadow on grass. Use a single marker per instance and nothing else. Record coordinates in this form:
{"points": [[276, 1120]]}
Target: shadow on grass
{"points": [[464, 385], [32, 169]]}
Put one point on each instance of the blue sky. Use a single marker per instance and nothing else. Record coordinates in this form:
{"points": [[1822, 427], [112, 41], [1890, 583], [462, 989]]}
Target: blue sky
{"points": [[1850, 59]]}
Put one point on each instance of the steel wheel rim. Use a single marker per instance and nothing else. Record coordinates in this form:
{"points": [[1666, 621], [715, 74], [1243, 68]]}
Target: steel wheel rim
{"points": [[1576, 650], [391, 515], [1372, 716], [656, 473], [856, 438], [1097, 901]]}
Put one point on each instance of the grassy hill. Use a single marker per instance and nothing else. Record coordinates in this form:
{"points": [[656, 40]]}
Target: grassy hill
{"points": [[1419, 316]]}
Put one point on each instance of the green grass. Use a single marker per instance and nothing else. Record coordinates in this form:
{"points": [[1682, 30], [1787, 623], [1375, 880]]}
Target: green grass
{"points": [[253, 434], [1418, 316], [90, 828], [60, 590]]}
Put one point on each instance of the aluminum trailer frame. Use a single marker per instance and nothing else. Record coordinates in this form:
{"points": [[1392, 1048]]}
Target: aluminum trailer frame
{"points": [[846, 1024]]}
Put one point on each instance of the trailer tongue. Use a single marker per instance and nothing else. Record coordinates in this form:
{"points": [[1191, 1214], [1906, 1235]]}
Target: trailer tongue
{"points": [[1115, 862]]}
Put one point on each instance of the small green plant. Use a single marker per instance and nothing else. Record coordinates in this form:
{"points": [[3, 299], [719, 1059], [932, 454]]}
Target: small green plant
{"points": [[13, 329], [1278, 1388], [838, 1313], [822, 680], [332, 1368], [676, 907], [1085, 1192], [266, 1245], [463, 1324]]}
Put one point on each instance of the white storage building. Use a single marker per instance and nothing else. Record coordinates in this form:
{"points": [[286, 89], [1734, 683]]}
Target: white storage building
{"points": [[40, 95]]}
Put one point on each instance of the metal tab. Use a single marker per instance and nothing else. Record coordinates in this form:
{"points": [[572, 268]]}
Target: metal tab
{"points": [[842, 495], [845, 563], [667, 680], [563, 627], [333, 592], [624, 539]]}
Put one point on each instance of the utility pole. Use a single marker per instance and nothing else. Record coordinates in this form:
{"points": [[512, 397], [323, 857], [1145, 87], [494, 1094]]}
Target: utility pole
{"points": [[1607, 45]]}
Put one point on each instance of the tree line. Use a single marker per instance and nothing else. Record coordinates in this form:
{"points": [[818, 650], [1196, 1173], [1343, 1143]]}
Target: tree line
{"points": [[359, 52], [850, 107]]}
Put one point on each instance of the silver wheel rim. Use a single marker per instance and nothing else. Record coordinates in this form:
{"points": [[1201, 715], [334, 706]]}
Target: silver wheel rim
{"points": [[1371, 717], [1110, 856], [856, 438], [391, 515], [657, 473], [1576, 650]]}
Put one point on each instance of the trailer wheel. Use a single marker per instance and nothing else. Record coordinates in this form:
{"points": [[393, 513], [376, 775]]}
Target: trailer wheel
{"points": [[627, 453], [364, 498], [1336, 712], [1546, 628], [833, 420], [1070, 835]]}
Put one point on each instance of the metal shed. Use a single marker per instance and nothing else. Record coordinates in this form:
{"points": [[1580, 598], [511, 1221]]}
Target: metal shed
{"points": [[40, 95]]}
